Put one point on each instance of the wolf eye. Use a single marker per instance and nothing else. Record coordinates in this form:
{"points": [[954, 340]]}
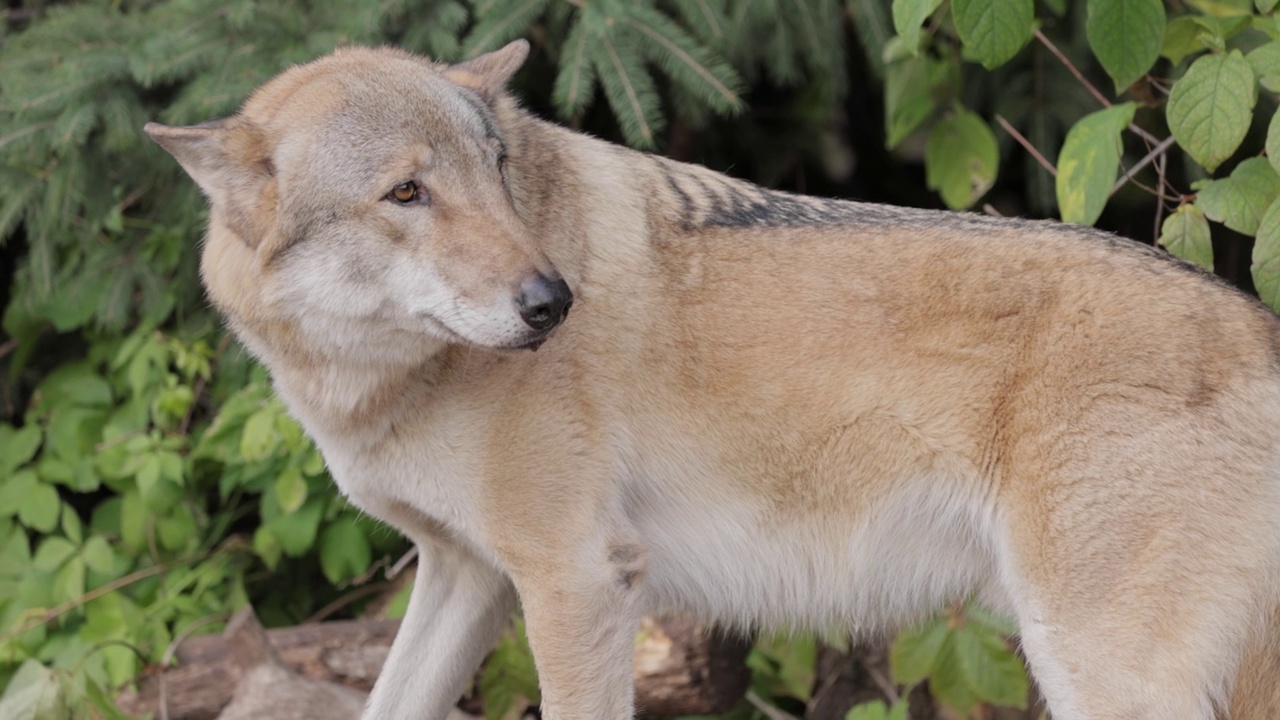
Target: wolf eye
{"points": [[405, 193]]}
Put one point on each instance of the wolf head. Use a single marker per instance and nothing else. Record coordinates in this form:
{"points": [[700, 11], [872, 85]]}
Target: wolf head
{"points": [[360, 210]]}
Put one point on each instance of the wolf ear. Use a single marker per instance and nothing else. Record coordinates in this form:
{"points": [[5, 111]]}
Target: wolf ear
{"points": [[230, 162], [490, 73]]}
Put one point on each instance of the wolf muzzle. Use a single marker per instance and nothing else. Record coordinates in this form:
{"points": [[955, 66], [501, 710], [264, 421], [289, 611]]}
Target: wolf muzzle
{"points": [[544, 302]]}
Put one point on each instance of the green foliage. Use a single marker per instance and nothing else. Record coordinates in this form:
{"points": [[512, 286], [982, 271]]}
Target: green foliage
{"points": [[1089, 161], [1240, 200], [1211, 107], [1185, 234], [1218, 52], [509, 675], [966, 660], [877, 710], [1126, 36], [993, 31], [960, 159]]}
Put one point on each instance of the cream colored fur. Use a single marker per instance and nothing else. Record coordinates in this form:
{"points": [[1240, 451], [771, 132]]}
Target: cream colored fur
{"points": [[763, 409]]}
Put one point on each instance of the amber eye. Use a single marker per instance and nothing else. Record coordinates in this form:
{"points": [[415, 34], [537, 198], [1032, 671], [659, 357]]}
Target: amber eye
{"points": [[404, 193]]}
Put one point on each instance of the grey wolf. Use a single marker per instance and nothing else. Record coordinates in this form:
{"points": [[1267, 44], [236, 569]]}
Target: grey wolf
{"points": [[762, 409]]}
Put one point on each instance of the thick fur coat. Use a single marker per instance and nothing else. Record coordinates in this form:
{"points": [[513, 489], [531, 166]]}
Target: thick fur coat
{"points": [[764, 409]]}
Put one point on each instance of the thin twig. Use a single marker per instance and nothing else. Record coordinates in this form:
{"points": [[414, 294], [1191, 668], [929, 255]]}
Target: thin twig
{"points": [[1026, 144], [94, 594], [1150, 157], [1074, 70], [191, 409], [768, 710], [345, 600], [1097, 94], [402, 563], [1160, 166], [884, 684]]}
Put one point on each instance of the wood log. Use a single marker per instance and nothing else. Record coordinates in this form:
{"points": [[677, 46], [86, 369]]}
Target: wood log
{"points": [[268, 689], [680, 669]]}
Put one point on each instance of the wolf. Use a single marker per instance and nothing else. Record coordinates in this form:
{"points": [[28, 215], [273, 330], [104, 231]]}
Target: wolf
{"points": [[752, 407]]}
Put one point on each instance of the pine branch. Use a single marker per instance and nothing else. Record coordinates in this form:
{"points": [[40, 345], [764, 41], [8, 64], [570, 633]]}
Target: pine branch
{"points": [[576, 78], [502, 24], [628, 87], [679, 51]]}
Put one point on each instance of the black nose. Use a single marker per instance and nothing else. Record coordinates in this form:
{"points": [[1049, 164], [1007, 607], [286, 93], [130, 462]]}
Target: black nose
{"points": [[544, 302]]}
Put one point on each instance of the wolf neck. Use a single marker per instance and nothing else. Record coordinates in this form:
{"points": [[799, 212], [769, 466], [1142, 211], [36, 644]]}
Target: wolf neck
{"points": [[334, 393]]}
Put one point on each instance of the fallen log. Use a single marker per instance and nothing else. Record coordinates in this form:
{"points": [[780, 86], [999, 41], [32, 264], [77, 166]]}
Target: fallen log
{"points": [[680, 669]]}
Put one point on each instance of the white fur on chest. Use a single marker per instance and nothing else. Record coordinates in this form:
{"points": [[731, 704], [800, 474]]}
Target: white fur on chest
{"points": [[429, 471]]}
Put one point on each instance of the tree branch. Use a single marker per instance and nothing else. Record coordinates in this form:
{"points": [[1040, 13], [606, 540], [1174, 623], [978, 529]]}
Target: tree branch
{"points": [[1156, 152], [1026, 144]]}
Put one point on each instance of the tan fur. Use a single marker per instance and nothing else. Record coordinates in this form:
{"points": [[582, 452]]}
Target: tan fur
{"points": [[764, 409]]}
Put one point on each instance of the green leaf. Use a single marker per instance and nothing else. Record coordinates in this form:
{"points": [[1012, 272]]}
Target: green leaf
{"points": [[1266, 258], [993, 31], [1223, 8], [31, 694], [267, 546], [17, 447], [297, 531], [1216, 31], [133, 521], [915, 653], [1265, 62], [1126, 36], [1265, 6], [908, 16], [148, 472], [1211, 106], [1181, 38], [508, 673], [1239, 201], [1273, 142], [52, 553], [990, 669], [15, 554], [260, 437], [875, 710], [39, 509], [1185, 234], [344, 551], [961, 159], [912, 87], [291, 489], [14, 489], [1089, 163], [75, 384], [948, 682], [98, 555], [177, 530], [68, 584]]}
